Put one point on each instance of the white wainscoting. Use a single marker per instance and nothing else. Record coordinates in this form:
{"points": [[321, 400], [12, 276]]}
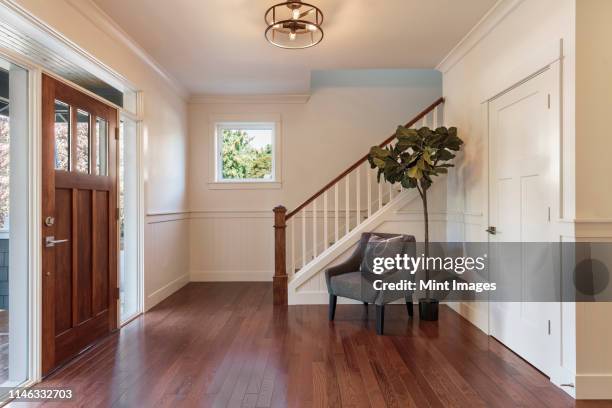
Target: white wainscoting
{"points": [[231, 246], [166, 256]]}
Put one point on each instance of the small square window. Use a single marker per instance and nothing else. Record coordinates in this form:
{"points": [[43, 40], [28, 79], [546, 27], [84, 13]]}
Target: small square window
{"points": [[245, 152]]}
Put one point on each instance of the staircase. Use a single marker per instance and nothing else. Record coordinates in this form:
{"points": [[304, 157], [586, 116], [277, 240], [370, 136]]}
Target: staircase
{"points": [[328, 223]]}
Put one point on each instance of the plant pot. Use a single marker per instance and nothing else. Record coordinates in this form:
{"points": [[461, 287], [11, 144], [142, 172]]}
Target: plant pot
{"points": [[428, 309]]}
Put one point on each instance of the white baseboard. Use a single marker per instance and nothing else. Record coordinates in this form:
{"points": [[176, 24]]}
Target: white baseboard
{"points": [[165, 291], [478, 316], [231, 276], [594, 386]]}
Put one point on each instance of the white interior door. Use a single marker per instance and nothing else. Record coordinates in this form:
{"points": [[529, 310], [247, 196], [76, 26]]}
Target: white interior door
{"points": [[521, 199]]}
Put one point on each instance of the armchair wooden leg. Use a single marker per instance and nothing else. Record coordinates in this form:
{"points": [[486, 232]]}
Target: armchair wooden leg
{"points": [[409, 306], [332, 306], [380, 319]]}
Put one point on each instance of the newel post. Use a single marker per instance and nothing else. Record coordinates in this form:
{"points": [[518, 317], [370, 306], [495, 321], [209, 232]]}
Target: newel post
{"points": [[280, 257]]}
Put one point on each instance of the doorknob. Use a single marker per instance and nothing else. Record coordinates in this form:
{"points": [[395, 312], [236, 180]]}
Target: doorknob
{"points": [[491, 230], [51, 241]]}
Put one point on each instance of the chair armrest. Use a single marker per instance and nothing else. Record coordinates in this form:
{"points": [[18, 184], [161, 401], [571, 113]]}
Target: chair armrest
{"points": [[351, 264]]}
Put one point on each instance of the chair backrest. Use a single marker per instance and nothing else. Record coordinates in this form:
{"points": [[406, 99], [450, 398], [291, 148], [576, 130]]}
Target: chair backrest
{"points": [[365, 237]]}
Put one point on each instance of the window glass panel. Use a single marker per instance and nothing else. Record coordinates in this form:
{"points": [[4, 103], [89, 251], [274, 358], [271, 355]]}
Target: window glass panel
{"points": [[62, 136], [14, 211], [246, 152], [83, 136], [4, 169], [101, 147]]}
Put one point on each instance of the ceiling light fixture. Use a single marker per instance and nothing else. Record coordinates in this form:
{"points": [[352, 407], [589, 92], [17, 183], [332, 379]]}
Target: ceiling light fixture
{"points": [[294, 25]]}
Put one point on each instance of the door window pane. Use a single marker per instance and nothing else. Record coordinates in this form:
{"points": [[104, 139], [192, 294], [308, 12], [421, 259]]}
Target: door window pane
{"points": [[83, 137], [101, 147], [62, 136]]}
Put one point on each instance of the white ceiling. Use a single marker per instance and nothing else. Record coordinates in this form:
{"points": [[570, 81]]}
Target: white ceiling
{"points": [[218, 46]]}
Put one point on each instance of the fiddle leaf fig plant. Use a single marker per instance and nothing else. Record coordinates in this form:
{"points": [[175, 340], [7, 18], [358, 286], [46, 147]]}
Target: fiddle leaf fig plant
{"points": [[415, 159]]}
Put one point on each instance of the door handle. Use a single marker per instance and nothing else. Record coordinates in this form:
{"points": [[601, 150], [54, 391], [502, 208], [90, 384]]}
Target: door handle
{"points": [[491, 230], [51, 241]]}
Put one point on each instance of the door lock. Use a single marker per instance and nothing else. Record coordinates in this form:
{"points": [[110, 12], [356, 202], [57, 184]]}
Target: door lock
{"points": [[491, 230], [49, 221], [51, 241]]}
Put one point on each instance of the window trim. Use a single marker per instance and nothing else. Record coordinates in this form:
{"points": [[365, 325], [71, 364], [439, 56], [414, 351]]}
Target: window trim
{"points": [[263, 121]]}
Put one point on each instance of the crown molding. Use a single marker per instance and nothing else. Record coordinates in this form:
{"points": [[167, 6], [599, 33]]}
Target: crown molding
{"points": [[483, 27], [250, 99], [93, 12], [22, 17]]}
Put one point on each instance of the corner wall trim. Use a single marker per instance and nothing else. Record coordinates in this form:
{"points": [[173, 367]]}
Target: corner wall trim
{"points": [[483, 27], [162, 293], [102, 20], [250, 99]]}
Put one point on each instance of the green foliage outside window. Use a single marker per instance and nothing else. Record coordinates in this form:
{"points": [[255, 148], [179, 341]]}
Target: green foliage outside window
{"points": [[240, 160], [4, 171]]}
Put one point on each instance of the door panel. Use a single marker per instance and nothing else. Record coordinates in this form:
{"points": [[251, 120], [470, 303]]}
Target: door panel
{"points": [[522, 149], [79, 214]]}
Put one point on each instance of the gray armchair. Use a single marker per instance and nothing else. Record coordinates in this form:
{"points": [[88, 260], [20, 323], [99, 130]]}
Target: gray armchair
{"points": [[351, 280]]}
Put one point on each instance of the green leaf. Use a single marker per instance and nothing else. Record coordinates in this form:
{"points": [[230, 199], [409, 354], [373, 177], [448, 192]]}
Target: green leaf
{"points": [[379, 152], [415, 172], [444, 155], [408, 182], [404, 132], [380, 163]]}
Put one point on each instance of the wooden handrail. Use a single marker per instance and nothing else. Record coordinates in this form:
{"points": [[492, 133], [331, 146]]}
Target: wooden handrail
{"points": [[418, 117]]}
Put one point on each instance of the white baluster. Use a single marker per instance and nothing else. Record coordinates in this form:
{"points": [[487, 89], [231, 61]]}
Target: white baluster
{"points": [[369, 179], [435, 117], [325, 230], [424, 123], [380, 194], [336, 212], [292, 226], [314, 228], [358, 193], [347, 204], [303, 237]]}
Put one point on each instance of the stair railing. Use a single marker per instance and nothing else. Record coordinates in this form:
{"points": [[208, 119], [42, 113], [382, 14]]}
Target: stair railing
{"points": [[350, 198]]}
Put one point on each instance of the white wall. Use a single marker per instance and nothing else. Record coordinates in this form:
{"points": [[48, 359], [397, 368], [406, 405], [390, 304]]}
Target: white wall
{"points": [[593, 200], [165, 138], [517, 39], [348, 111]]}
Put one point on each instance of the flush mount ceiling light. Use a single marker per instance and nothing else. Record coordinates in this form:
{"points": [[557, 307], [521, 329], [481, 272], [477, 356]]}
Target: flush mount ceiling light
{"points": [[294, 25]]}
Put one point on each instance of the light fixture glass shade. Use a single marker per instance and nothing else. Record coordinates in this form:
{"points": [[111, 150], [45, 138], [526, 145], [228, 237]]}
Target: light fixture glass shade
{"points": [[294, 25]]}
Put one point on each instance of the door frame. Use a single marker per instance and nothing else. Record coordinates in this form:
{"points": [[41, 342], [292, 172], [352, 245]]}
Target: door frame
{"points": [[53, 90], [35, 72]]}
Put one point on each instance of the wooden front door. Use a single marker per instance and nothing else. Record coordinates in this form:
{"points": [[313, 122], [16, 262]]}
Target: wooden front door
{"points": [[79, 233]]}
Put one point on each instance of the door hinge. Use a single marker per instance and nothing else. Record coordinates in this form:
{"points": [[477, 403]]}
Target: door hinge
{"points": [[548, 214], [117, 213], [116, 293], [116, 133], [549, 327], [548, 101]]}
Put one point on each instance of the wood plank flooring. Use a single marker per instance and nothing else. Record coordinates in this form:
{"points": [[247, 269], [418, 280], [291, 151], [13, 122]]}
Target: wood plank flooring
{"points": [[224, 345]]}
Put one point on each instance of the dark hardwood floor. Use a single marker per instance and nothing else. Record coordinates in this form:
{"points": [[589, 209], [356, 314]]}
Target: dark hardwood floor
{"points": [[223, 344]]}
